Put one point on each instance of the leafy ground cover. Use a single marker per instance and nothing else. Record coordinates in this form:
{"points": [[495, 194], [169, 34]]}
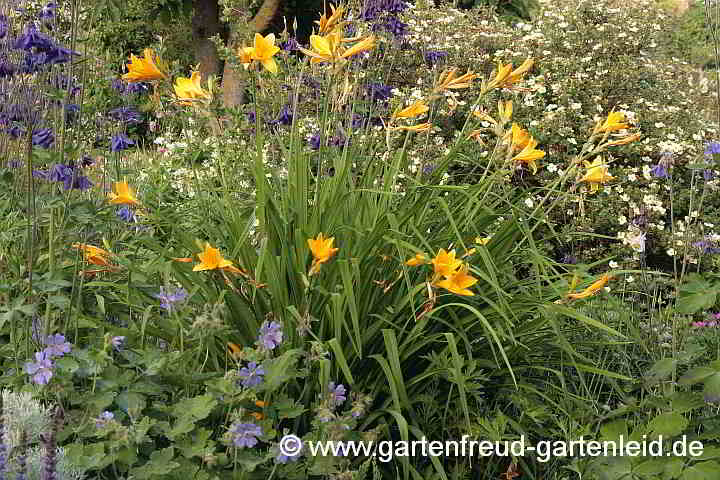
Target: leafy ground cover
{"points": [[425, 223]]}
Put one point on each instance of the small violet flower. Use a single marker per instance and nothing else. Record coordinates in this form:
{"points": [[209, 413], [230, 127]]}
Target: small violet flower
{"points": [[41, 370], [337, 394], [120, 142], [56, 346], [245, 434], [171, 297], [252, 375], [104, 418], [271, 335]]}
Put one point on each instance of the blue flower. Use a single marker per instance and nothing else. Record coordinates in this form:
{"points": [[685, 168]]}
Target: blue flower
{"points": [[708, 174], [57, 346], [117, 342], [43, 137], [48, 12], [712, 148], [379, 91], [104, 418], [314, 141], [41, 370], [290, 45], [120, 142], [71, 111], [252, 375], [31, 38], [659, 171], [337, 394], [285, 117], [125, 115], [271, 335], [432, 57], [428, 169], [171, 297], [245, 434], [126, 213]]}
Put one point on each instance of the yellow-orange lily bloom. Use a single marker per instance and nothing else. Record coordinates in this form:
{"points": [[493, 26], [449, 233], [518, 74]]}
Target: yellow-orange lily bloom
{"points": [[592, 289], [614, 121], [321, 248], [505, 76], [458, 282], [211, 259], [145, 69], [529, 154], [365, 44], [414, 110], [418, 259], [94, 255], [122, 194], [449, 81], [421, 127], [190, 88], [596, 175], [263, 51], [327, 25], [445, 263]]}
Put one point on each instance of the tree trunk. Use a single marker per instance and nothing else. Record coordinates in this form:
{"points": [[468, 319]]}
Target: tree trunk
{"points": [[233, 84], [205, 24]]}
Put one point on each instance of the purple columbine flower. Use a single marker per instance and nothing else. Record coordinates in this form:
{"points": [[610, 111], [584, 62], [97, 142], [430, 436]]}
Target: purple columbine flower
{"points": [[271, 335], [31, 38], [251, 116], [252, 375], [56, 345], [314, 141], [569, 259], [127, 115], [126, 213], [117, 342], [103, 419], [378, 92], [171, 297], [712, 148], [120, 142], [290, 45], [48, 12], [337, 394], [245, 434], [43, 137], [428, 169], [659, 171], [285, 117], [41, 370], [708, 174], [433, 57]]}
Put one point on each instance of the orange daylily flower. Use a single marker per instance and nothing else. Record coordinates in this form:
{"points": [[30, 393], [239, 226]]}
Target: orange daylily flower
{"points": [[458, 282], [592, 289], [420, 127], [624, 140], [263, 51], [445, 263], [418, 259], [258, 415], [414, 110], [505, 76], [190, 89], [327, 25], [145, 69], [614, 121], [597, 174], [211, 259], [449, 81], [122, 194], [94, 255], [322, 250]]}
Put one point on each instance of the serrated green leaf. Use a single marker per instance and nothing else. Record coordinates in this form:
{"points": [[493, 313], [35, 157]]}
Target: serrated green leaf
{"points": [[709, 470], [668, 424]]}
